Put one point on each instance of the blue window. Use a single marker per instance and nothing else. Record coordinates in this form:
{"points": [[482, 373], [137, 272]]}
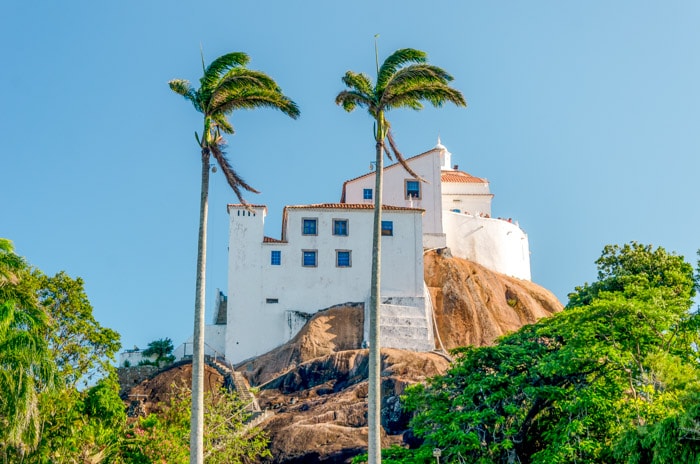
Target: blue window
{"points": [[309, 258], [412, 189], [309, 226], [342, 258], [367, 194], [340, 227], [387, 228], [275, 257]]}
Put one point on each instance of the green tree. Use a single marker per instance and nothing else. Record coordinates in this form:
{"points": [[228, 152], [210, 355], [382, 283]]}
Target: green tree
{"points": [[162, 349], [48, 340], [404, 80], [590, 384], [85, 427], [163, 437], [226, 85], [26, 367], [82, 348]]}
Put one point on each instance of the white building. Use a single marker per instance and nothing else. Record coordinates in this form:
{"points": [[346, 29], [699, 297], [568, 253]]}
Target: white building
{"points": [[457, 211], [324, 255], [323, 258]]}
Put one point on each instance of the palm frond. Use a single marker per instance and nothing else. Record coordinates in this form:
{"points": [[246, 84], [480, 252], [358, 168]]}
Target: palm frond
{"points": [[418, 74], [216, 70], [244, 75], [184, 88], [400, 158], [235, 181], [351, 99], [395, 61], [250, 98], [238, 82], [358, 82], [436, 95], [223, 123]]}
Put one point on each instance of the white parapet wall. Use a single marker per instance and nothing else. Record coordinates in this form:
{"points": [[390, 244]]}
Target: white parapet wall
{"points": [[497, 244], [214, 343]]}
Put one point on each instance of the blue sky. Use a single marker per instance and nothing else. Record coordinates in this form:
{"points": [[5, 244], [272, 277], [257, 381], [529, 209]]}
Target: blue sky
{"points": [[584, 116]]}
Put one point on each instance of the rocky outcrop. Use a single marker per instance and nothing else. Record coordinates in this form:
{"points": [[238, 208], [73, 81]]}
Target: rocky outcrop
{"points": [[474, 306], [316, 383], [335, 329], [321, 406]]}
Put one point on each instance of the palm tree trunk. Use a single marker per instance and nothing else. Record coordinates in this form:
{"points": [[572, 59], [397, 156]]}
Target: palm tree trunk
{"points": [[374, 398], [197, 418]]}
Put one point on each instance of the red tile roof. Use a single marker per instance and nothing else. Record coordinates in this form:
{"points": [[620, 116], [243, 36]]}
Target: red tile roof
{"points": [[267, 239], [461, 177], [352, 206]]}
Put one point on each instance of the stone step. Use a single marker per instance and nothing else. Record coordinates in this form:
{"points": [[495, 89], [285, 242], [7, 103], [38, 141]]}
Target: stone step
{"points": [[410, 344], [415, 333], [401, 311], [403, 322]]}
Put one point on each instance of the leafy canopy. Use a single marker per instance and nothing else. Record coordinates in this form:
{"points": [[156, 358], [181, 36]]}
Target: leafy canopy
{"points": [[606, 380]]}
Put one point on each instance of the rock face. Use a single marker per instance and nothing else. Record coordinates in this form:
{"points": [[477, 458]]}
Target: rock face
{"points": [[316, 383], [321, 406], [338, 328], [474, 306]]}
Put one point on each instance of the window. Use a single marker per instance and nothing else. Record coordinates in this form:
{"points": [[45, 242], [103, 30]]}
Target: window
{"points": [[275, 257], [367, 194], [340, 227], [272, 300], [387, 228], [309, 258], [412, 189], [309, 226], [342, 258]]}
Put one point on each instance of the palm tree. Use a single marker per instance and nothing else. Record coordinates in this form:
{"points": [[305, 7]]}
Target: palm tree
{"points": [[26, 366], [404, 80], [226, 85]]}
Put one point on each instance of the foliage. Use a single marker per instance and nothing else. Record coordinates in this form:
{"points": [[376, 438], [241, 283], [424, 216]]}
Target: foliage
{"points": [[227, 85], [83, 427], [81, 347], [26, 367], [165, 437], [404, 80], [48, 340], [609, 375], [162, 349]]}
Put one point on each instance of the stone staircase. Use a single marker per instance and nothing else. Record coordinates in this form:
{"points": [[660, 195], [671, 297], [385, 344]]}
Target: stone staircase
{"points": [[405, 327], [238, 382]]}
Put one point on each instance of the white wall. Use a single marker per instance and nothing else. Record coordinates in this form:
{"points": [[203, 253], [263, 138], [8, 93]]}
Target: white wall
{"points": [[214, 343], [255, 325], [427, 165], [471, 198], [496, 244], [133, 357]]}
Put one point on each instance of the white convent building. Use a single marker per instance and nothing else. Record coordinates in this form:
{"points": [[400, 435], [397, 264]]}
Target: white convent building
{"points": [[324, 255]]}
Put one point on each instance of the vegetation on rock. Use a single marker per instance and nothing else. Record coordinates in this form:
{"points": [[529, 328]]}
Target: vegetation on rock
{"points": [[612, 378]]}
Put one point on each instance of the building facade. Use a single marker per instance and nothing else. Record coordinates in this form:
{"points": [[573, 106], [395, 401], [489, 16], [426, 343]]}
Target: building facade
{"points": [[324, 255]]}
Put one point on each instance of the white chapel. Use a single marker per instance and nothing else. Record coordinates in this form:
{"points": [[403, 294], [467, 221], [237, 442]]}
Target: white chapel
{"points": [[323, 257]]}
